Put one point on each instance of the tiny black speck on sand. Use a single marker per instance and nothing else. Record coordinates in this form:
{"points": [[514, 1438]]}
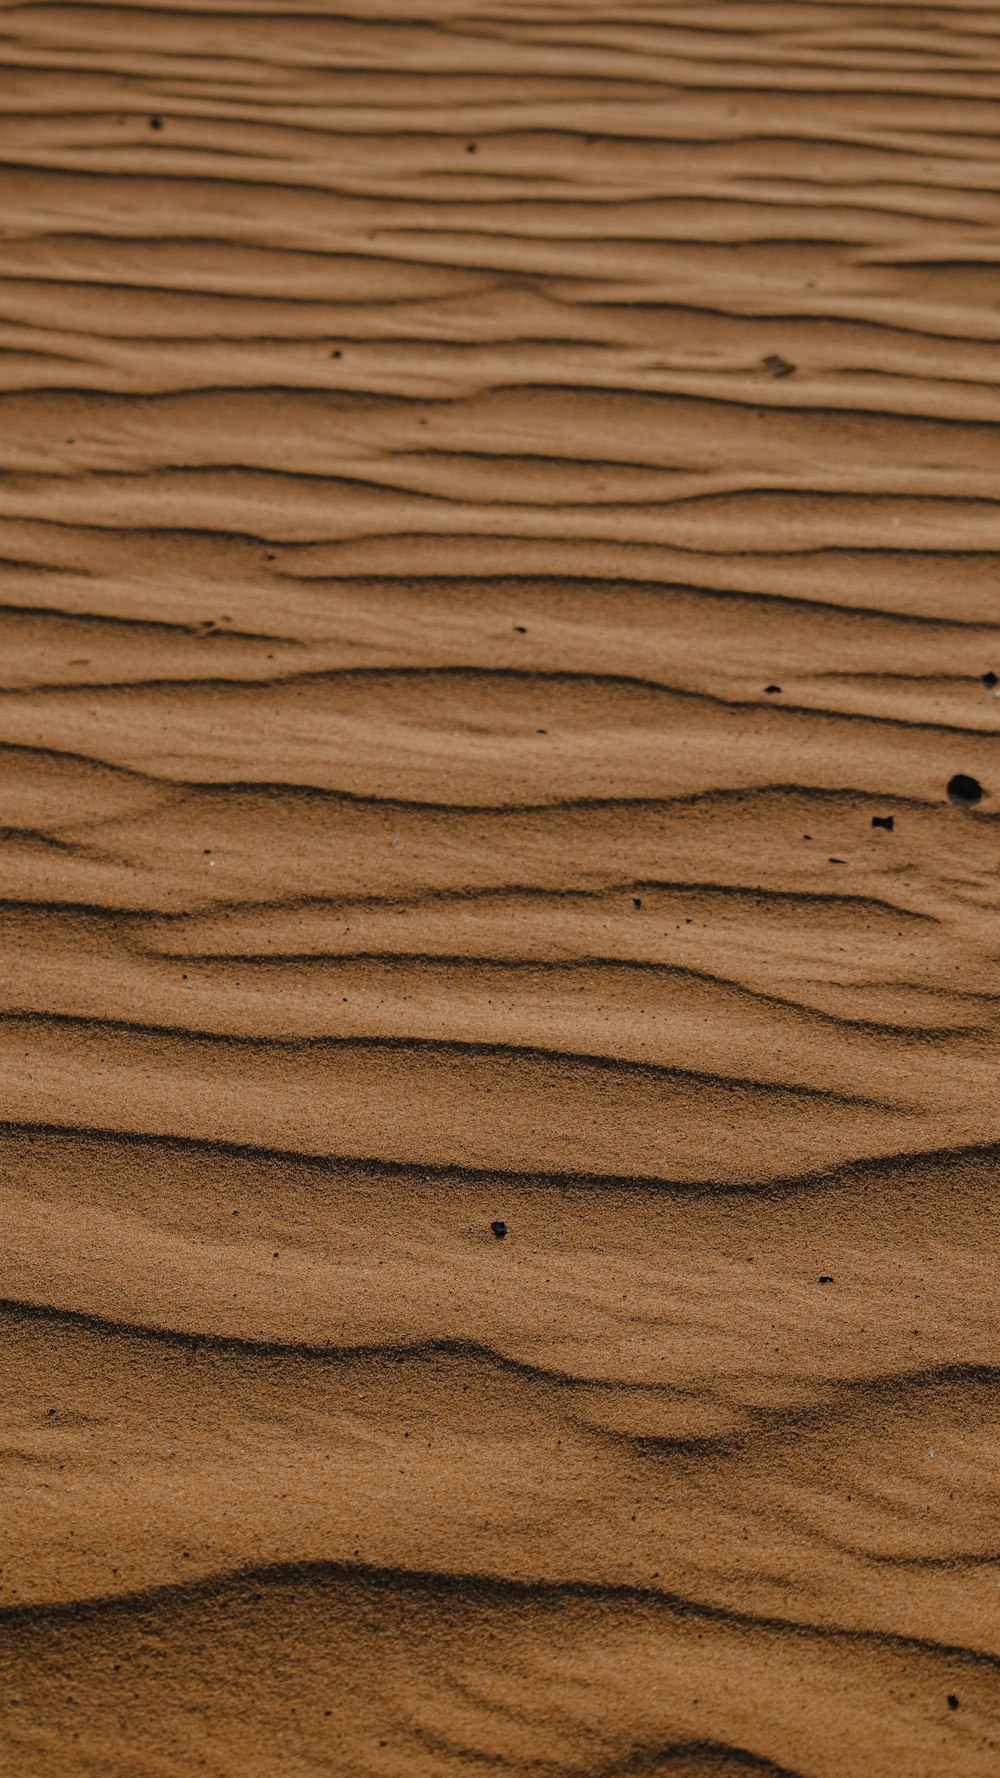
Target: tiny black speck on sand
{"points": [[952, 1701], [964, 790], [886, 821], [499, 1229]]}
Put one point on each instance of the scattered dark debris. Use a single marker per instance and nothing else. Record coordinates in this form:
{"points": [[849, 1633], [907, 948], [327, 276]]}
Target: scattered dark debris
{"points": [[337, 354], [807, 836], [778, 366], [499, 1229], [521, 629], [836, 861], [964, 790], [541, 731], [772, 690], [952, 1701], [470, 148], [825, 1278], [886, 821], [637, 901], [990, 680], [156, 123]]}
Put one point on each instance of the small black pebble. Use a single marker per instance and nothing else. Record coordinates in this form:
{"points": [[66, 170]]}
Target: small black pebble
{"points": [[520, 629], [952, 1701], [156, 123], [990, 679], [778, 366], [825, 1278], [637, 901], [886, 821], [964, 790], [470, 148], [334, 354], [499, 1229], [771, 689]]}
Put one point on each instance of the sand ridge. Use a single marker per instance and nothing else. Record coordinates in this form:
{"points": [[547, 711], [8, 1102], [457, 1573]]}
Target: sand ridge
{"points": [[499, 552]]}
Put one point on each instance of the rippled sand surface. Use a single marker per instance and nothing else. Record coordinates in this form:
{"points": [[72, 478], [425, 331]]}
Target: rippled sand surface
{"points": [[500, 565]]}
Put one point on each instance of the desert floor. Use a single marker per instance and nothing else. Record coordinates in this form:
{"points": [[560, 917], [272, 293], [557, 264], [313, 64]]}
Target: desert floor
{"points": [[501, 566]]}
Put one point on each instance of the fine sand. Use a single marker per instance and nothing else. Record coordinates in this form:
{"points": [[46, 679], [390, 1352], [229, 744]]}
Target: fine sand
{"points": [[500, 565]]}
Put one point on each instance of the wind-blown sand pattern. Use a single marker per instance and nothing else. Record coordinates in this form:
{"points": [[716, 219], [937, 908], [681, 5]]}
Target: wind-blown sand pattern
{"points": [[500, 566]]}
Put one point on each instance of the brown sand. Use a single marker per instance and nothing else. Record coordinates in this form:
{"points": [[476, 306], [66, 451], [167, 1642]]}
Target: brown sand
{"points": [[498, 497]]}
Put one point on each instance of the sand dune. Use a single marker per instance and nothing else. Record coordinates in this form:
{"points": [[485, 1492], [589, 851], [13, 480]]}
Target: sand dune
{"points": [[499, 556]]}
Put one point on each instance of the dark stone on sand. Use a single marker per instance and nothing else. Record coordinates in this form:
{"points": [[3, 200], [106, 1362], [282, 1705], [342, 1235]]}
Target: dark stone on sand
{"points": [[499, 1229], [886, 821], [964, 790]]}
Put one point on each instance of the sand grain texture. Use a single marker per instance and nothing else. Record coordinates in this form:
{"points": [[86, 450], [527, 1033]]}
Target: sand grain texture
{"points": [[500, 558]]}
